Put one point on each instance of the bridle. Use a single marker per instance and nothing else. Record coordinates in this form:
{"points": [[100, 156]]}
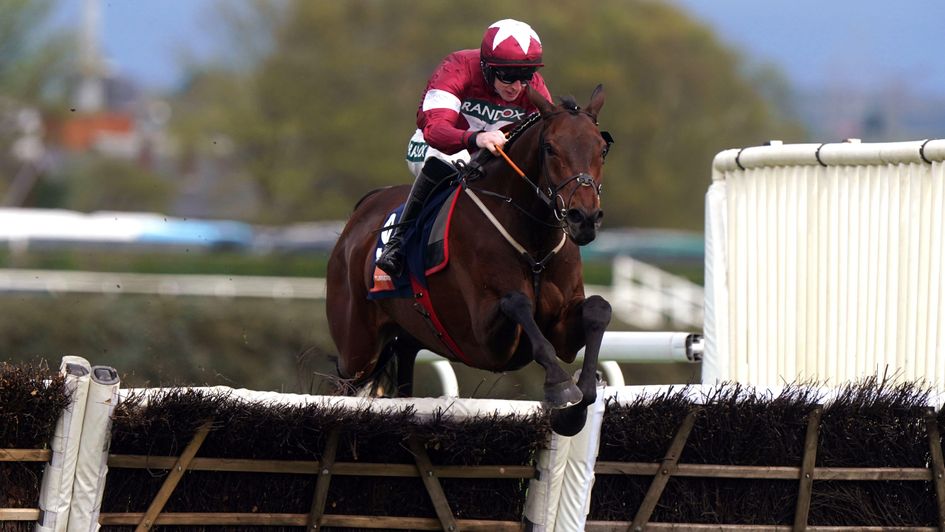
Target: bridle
{"points": [[551, 196], [583, 179]]}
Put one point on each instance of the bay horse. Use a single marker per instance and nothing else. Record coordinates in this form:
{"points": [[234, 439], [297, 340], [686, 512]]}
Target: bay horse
{"points": [[513, 290]]}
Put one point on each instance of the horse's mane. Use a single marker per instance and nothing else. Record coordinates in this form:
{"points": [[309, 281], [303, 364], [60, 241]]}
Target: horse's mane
{"points": [[523, 125], [568, 103]]}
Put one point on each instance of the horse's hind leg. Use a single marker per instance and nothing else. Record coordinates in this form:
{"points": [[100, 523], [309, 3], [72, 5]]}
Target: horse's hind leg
{"points": [[365, 381], [392, 373], [560, 392], [405, 349], [361, 350]]}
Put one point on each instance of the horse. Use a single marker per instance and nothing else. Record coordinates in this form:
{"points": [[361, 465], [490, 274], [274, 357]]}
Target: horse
{"points": [[512, 292]]}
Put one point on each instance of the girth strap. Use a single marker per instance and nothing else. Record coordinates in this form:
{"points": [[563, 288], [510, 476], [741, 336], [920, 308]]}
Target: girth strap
{"points": [[424, 306]]}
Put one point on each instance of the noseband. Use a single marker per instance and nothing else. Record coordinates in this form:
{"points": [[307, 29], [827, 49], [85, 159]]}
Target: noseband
{"points": [[552, 197]]}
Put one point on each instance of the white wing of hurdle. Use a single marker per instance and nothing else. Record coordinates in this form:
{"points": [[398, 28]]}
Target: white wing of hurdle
{"points": [[74, 479], [826, 262]]}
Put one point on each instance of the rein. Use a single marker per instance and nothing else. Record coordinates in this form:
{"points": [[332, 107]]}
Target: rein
{"points": [[550, 199], [537, 265]]}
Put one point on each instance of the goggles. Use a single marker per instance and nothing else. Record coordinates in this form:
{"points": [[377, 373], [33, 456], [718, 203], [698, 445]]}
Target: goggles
{"points": [[510, 75]]}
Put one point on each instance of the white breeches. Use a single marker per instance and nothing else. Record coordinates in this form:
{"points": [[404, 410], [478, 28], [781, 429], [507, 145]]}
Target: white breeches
{"points": [[418, 151]]}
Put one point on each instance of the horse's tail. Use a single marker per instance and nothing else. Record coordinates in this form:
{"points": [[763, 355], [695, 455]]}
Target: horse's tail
{"points": [[383, 375]]}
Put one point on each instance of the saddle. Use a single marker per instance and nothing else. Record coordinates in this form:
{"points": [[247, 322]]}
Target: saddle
{"points": [[426, 245]]}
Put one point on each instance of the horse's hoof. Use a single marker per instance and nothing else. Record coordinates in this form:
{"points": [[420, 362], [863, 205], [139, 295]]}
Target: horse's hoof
{"points": [[568, 421], [563, 395]]}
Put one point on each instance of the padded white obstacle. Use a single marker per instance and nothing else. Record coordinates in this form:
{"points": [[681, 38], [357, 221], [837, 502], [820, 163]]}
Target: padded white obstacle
{"points": [[558, 498], [59, 475], [92, 463], [74, 479], [826, 262], [74, 482], [563, 501]]}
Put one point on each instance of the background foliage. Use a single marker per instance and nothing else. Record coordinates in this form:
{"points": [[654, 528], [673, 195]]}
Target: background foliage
{"points": [[325, 110], [311, 108], [261, 344], [313, 102]]}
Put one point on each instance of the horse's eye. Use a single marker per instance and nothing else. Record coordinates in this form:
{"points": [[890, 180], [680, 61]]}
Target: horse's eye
{"points": [[549, 150]]}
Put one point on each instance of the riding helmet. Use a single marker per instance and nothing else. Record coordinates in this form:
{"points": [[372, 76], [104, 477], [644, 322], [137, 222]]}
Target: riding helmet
{"points": [[509, 43]]}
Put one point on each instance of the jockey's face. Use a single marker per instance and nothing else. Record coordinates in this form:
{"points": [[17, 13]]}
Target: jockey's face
{"points": [[508, 91]]}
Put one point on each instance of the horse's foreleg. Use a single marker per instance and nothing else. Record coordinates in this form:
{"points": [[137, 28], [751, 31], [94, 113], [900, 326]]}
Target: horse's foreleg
{"points": [[595, 313], [560, 392], [595, 317]]}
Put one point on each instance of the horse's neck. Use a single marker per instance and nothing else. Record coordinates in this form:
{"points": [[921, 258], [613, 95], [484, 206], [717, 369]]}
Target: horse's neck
{"points": [[530, 227]]}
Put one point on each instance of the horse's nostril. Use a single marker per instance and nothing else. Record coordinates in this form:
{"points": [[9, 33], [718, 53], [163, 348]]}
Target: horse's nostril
{"points": [[575, 216], [600, 214]]}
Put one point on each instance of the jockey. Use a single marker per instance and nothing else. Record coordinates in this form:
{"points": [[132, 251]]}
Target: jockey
{"points": [[469, 97]]}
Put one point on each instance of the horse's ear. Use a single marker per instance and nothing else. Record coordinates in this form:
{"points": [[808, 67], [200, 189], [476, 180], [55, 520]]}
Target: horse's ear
{"points": [[597, 101], [544, 106]]}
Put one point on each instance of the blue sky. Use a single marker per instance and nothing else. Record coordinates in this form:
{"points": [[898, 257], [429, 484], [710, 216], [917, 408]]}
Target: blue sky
{"points": [[868, 44], [820, 43], [145, 39]]}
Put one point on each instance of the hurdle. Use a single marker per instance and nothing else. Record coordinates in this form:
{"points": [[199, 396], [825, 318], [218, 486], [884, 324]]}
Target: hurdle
{"points": [[147, 457], [826, 261]]}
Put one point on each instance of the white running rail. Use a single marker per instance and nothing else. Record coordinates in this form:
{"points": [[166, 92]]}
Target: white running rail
{"points": [[55, 281], [647, 297]]}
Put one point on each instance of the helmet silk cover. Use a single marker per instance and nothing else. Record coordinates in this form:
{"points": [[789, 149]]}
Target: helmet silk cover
{"points": [[511, 43]]}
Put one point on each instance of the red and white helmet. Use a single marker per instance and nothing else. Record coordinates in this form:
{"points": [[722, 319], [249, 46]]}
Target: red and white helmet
{"points": [[510, 43]]}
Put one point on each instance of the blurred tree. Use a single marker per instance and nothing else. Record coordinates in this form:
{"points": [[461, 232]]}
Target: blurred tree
{"points": [[93, 183], [676, 97], [32, 57], [33, 70], [321, 108]]}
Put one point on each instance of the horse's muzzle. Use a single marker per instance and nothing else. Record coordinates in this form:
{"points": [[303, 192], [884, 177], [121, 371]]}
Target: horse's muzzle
{"points": [[582, 225]]}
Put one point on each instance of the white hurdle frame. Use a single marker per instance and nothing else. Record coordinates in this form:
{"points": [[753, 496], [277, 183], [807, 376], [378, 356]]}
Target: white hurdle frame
{"points": [[631, 347], [825, 262], [559, 494]]}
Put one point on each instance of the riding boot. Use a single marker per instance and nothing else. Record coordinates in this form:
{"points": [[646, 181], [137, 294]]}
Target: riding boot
{"points": [[433, 173]]}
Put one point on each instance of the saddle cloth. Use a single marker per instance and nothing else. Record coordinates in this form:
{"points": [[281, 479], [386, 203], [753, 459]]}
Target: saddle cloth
{"points": [[426, 246]]}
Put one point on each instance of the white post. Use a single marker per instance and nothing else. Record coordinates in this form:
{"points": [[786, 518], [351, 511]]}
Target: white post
{"points": [[56, 491]]}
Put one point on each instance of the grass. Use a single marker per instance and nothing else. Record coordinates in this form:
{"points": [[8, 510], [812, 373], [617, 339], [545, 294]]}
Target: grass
{"points": [[262, 344], [182, 262]]}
